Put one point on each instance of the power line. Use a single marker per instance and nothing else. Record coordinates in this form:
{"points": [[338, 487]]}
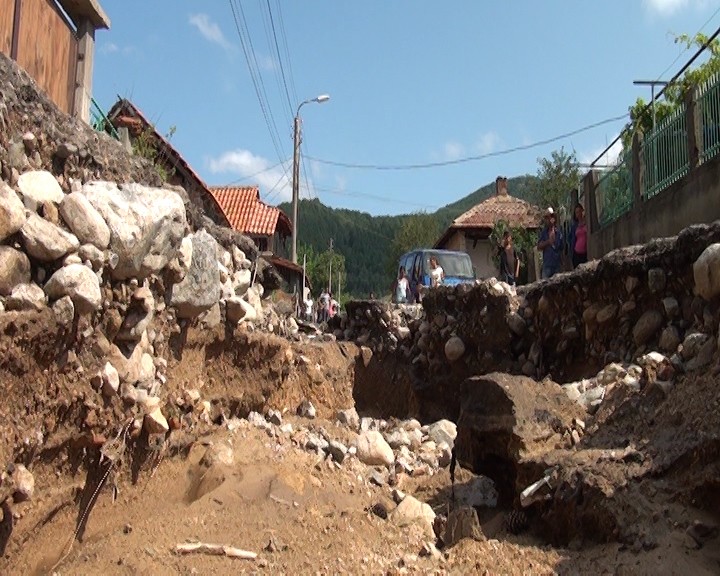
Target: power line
{"points": [[471, 158], [277, 52], [255, 75], [352, 194], [248, 177], [670, 82]]}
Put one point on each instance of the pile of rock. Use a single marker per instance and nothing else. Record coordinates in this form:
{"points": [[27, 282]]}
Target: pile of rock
{"points": [[121, 264]]}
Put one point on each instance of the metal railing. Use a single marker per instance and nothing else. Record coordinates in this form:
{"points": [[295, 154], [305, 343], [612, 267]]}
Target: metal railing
{"points": [[100, 121], [708, 106], [665, 153], [614, 193]]}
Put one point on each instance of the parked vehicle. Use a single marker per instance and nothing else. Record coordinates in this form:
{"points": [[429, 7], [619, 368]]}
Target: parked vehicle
{"points": [[457, 268]]}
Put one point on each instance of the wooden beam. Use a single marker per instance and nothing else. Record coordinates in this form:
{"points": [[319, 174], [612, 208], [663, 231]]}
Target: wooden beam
{"points": [[90, 9], [84, 69], [16, 31]]}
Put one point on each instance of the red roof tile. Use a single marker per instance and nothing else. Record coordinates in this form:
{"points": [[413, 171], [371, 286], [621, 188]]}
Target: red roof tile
{"points": [[515, 211], [247, 213]]}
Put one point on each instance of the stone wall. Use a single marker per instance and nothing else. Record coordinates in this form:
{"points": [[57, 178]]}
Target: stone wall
{"points": [[632, 301]]}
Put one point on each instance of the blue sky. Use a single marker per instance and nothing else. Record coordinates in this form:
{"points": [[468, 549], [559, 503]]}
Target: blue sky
{"points": [[412, 83]]}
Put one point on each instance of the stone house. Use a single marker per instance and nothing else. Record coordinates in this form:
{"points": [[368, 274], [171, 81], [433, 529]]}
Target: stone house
{"points": [[54, 41], [470, 232]]}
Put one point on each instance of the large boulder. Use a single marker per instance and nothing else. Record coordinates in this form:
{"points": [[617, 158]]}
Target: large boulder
{"points": [[200, 288], [146, 225], [84, 220], [26, 297], [503, 420], [38, 187], [14, 269], [706, 271], [373, 450], [80, 283], [12, 211], [46, 241]]}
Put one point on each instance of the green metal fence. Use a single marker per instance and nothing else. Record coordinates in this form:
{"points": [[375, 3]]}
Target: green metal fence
{"points": [[614, 194], [708, 105], [665, 153]]}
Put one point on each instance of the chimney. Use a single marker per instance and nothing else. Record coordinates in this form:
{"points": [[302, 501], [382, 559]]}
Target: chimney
{"points": [[501, 186]]}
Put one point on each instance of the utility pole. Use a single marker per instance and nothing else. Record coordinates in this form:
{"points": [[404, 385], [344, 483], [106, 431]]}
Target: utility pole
{"points": [[296, 169]]}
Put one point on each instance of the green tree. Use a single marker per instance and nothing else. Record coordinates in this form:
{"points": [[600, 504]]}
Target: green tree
{"points": [[641, 115], [326, 263], [418, 230], [556, 177]]}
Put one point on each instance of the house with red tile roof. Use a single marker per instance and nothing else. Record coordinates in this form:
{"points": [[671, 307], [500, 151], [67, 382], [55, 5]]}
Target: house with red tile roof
{"points": [[268, 226], [470, 232]]}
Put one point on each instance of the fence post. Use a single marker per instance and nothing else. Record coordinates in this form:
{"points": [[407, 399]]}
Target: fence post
{"points": [[638, 169], [589, 183], [693, 121]]}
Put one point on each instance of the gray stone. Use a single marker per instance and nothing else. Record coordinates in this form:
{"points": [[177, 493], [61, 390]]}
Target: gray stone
{"points": [[307, 410], [349, 418], [669, 339], [411, 511], [462, 523], [84, 220], [443, 431], [397, 438], [65, 150], [91, 253], [607, 313], [138, 316], [45, 241], [26, 297], [80, 283], [239, 310], [706, 271], [337, 450], [200, 289], [274, 417], [672, 307], [692, 344], [516, 323], [373, 450], [454, 348], [703, 357], [647, 326], [656, 280], [146, 225], [37, 187], [14, 269], [64, 311], [12, 211]]}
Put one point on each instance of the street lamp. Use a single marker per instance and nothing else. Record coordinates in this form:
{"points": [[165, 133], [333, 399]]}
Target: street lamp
{"points": [[296, 170]]}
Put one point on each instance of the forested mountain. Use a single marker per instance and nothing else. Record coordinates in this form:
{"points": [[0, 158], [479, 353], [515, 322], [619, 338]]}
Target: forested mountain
{"points": [[364, 240]]}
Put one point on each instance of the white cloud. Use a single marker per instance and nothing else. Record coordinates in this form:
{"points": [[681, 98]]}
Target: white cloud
{"points": [[608, 158], [274, 181], [453, 150], [666, 7], [209, 30], [487, 143], [109, 48]]}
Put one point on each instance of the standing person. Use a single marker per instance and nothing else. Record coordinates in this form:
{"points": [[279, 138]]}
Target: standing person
{"points": [[551, 243], [324, 306], [578, 236], [401, 287], [437, 274], [509, 261], [309, 307]]}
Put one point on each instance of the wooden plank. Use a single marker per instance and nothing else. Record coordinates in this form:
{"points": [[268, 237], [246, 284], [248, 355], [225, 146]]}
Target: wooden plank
{"points": [[7, 15], [48, 51], [90, 9]]}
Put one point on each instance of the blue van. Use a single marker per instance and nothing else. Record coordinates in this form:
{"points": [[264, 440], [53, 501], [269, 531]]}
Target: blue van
{"points": [[456, 266]]}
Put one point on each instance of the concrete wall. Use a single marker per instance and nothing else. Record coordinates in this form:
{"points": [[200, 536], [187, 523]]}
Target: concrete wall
{"points": [[480, 253]]}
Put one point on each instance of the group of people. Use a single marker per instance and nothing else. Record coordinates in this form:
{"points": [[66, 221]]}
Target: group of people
{"points": [[321, 311], [552, 242], [402, 292], [552, 245]]}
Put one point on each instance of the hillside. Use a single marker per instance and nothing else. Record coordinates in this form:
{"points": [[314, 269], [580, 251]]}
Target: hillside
{"points": [[364, 239]]}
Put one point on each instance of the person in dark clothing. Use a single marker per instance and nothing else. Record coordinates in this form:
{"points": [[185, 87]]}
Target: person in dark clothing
{"points": [[509, 261]]}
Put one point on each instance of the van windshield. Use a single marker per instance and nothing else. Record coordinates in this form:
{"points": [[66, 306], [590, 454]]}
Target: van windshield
{"points": [[454, 265]]}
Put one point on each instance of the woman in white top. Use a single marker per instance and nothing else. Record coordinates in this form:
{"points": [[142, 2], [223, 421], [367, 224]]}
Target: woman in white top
{"points": [[437, 275], [401, 287]]}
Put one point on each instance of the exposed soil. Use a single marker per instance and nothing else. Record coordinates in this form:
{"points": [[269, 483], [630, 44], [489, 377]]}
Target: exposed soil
{"points": [[300, 513]]}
